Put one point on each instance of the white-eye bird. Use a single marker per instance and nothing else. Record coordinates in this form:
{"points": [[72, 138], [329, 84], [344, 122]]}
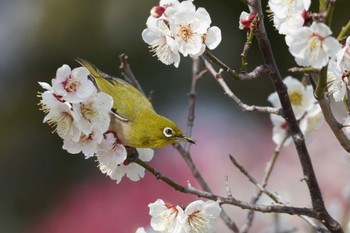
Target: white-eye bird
{"points": [[133, 118]]}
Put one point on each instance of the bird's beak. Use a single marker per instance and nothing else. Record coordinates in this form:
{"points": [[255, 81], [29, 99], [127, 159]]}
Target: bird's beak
{"points": [[186, 139]]}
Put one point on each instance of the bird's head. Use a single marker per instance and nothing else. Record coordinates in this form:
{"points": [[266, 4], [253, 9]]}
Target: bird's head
{"points": [[152, 131]]}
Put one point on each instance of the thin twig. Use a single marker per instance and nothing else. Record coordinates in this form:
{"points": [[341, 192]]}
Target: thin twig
{"points": [[128, 74], [344, 31], [257, 72], [254, 181], [231, 95], [304, 70], [192, 96], [268, 171]]}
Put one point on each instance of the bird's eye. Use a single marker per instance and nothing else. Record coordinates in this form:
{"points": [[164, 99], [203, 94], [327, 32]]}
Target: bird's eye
{"points": [[168, 132]]}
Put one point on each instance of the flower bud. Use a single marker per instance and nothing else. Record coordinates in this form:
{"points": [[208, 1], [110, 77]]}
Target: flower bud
{"points": [[157, 11]]}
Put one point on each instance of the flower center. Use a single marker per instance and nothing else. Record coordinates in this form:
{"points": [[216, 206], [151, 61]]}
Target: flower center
{"points": [[198, 222], [186, 32], [296, 97], [70, 84], [88, 111], [315, 42]]}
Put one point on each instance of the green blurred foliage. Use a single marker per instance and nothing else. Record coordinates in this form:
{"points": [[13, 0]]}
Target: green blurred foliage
{"points": [[38, 36]]}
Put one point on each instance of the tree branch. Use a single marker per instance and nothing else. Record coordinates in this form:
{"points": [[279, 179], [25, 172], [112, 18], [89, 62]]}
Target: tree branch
{"points": [[298, 137], [228, 200], [128, 74], [257, 72], [231, 95]]}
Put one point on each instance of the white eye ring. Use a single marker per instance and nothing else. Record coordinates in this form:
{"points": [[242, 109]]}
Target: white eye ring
{"points": [[168, 132]]}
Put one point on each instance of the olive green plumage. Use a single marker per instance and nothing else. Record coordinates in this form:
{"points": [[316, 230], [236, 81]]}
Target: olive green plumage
{"points": [[133, 117]]}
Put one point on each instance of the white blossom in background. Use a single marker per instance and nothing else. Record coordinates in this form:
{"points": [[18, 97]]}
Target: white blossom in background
{"points": [[174, 28], [301, 97], [73, 85], [61, 116], [306, 110], [161, 42], [314, 120], [281, 8], [87, 144], [313, 46], [347, 125], [94, 112], [338, 81], [140, 230], [132, 170], [200, 216], [164, 217], [280, 133], [343, 56], [110, 154], [288, 16]]}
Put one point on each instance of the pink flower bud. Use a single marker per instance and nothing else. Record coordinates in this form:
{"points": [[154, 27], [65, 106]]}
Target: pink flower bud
{"points": [[157, 11]]}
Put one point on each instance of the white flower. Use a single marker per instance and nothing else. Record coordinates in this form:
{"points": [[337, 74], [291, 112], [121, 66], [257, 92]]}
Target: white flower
{"points": [[158, 36], [213, 37], [314, 45], [343, 56], [165, 217], [337, 81], [281, 8], [289, 25], [132, 170], [280, 131], [94, 112], [347, 126], [46, 86], [314, 118], [188, 28], [301, 97], [110, 154], [74, 86], [61, 116], [88, 144], [140, 230], [200, 216]]}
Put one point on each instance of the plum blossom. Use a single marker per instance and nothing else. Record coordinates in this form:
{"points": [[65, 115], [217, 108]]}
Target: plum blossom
{"points": [[288, 16], [306, 110], [110, 154], [165, 217], [338, 81], [140, 230], [88, 144], [343, 56], [73, 85], [313, 46], [246, 20], [301, 97], [174, 28], [200, 216], [347, 125], [61, 116], [132, 170], [161, 42], [94, 112]]}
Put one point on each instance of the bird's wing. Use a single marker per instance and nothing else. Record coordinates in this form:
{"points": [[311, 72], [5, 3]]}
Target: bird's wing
{"points": [[128, 101]]}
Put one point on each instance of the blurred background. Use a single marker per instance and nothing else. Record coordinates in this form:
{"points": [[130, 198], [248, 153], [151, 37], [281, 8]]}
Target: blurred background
{"points": [[45, 189]]}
